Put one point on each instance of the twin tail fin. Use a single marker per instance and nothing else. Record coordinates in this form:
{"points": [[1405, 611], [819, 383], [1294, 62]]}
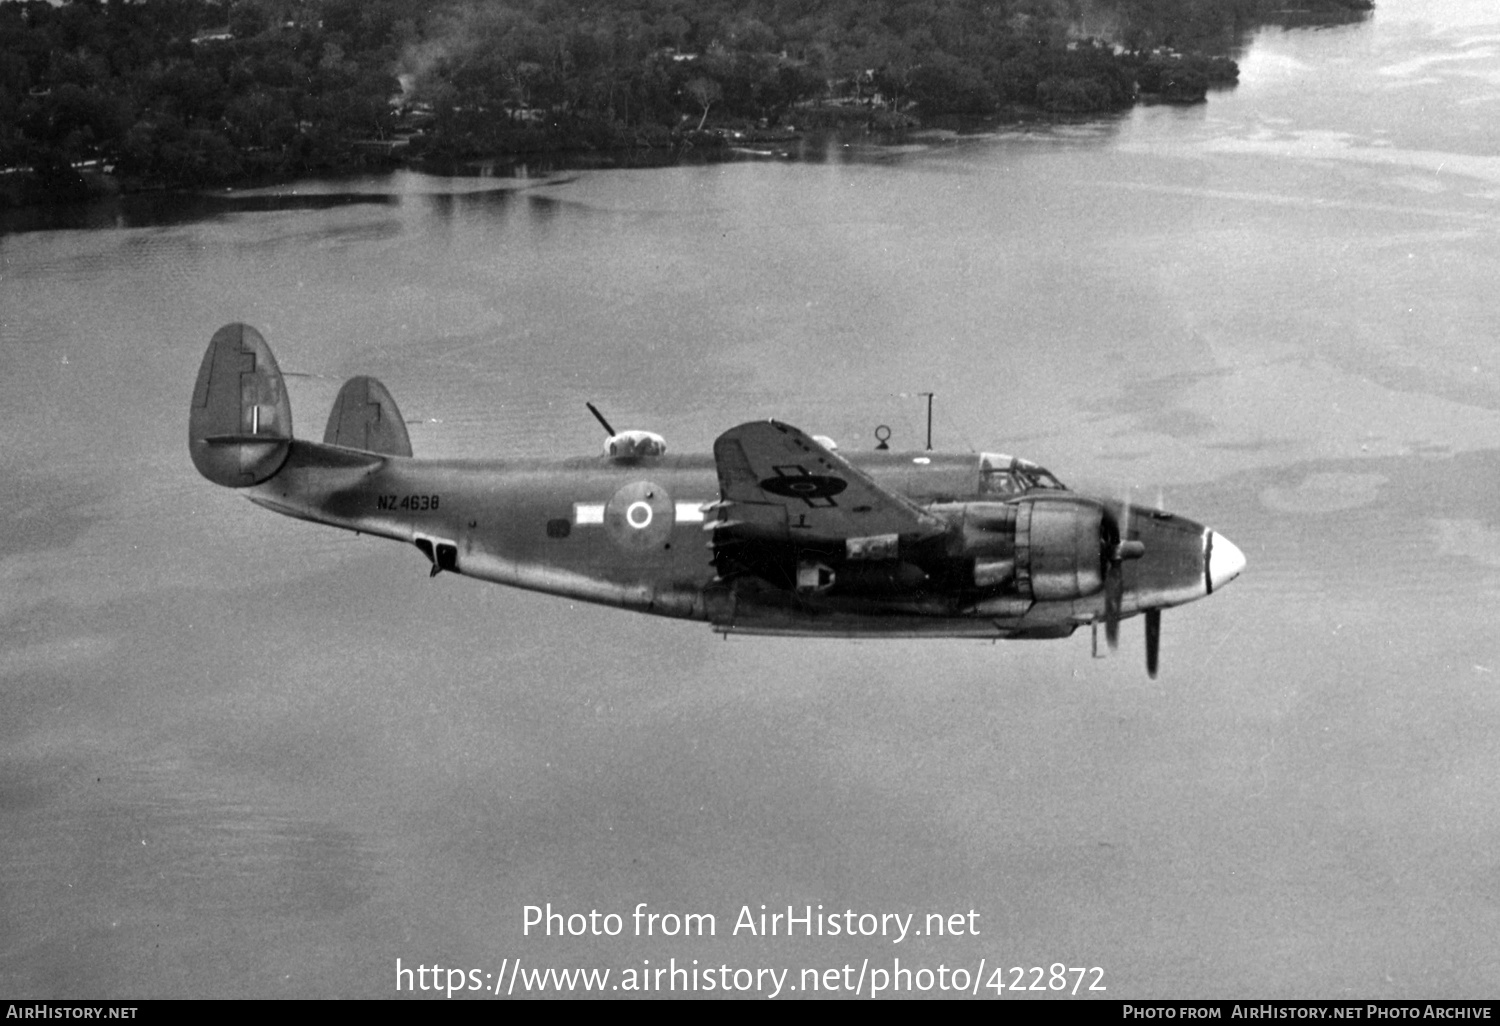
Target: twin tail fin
{"points": [[365, 417], [240, 422]]}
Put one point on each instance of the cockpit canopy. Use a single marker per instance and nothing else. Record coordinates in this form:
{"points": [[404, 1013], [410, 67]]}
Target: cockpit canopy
{"points": [[1003, 475]]}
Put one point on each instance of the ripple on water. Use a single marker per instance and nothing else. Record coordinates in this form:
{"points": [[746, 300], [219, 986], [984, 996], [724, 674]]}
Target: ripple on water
{"points": [[220, 846], [1325, 492]]}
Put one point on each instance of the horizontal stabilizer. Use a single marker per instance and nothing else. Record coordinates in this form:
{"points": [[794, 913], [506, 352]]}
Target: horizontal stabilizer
{"points": [[365, 417], [240, 423]]}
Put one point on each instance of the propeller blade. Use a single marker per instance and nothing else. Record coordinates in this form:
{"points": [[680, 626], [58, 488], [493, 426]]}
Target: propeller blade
{"points": [[1110, 536], [1153, 641], [1114, 592], [1125, 547]]}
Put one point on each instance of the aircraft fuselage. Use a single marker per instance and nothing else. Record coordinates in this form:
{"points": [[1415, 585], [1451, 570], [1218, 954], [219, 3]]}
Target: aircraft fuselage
{"points": [[775, 532], [638, 534]]}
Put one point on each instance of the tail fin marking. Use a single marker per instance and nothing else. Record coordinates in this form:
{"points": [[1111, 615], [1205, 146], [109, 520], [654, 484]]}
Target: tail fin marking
{"points": [[365, 417], [240, 423]]}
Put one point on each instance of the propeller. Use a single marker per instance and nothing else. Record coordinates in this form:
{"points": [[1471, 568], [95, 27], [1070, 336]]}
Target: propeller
{"points": [[1115, 547], [1114, 592], [1153, 641], [1153, 620]]}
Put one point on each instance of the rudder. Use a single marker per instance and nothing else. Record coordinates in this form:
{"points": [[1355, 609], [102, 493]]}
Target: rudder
{"points": [[366, 417], [240, 423]]}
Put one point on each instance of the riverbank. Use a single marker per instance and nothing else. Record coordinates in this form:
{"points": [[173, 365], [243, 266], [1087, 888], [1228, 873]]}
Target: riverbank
{"points": [[816, 131], [170, 97]]}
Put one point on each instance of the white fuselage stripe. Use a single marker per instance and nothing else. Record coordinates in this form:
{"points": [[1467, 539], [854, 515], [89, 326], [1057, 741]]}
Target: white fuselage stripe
{"points": [[586, 513]]}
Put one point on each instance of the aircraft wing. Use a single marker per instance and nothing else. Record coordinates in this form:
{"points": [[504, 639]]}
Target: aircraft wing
{"points": [[777, 484]]}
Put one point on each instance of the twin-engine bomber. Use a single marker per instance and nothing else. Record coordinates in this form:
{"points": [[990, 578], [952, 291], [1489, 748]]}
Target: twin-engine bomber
{"points": [[775, 533]]}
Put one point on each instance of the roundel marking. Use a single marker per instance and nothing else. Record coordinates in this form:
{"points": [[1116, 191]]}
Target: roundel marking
{"points": [[804, 486], [638, 514], [640, 517]]}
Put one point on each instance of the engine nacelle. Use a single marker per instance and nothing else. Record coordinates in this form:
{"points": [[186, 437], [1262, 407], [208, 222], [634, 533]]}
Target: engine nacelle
{"points": [[1043, 549], [1058, 548]]}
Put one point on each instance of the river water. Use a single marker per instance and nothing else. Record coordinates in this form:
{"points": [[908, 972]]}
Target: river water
{"points": [[245, 756]]}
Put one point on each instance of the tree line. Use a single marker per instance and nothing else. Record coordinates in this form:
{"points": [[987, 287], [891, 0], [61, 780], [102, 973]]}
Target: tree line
{"points": [[201, 92]]}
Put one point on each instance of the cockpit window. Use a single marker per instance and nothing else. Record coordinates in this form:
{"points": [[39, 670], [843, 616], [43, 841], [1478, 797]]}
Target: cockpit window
{"points": [[1003, 475], [1041, 477]]}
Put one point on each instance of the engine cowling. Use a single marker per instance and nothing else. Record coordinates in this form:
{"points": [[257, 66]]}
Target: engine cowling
{"points": [[1058, 549], [1043, 549]]}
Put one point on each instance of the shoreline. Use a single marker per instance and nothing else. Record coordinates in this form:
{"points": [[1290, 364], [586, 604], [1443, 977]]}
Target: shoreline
{"points": [[261, 102], [21, 193]]}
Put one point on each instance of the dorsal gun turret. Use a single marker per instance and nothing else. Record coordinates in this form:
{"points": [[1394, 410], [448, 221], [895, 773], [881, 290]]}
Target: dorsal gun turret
{"points": [[632, 445], [628, 445]]}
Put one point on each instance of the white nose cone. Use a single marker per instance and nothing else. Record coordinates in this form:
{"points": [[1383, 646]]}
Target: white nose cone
{"points": [[1224, 563]]}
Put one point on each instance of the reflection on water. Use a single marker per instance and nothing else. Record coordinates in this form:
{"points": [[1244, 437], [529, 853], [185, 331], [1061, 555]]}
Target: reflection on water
{"points": [[243, 755], [142, 210]]}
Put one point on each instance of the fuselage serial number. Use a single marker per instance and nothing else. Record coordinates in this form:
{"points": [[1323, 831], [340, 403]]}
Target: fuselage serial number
{"points": [[410, 503]]}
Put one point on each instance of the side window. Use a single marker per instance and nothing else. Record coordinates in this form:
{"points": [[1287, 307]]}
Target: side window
{"points": [[998, 482], [559, 528]]}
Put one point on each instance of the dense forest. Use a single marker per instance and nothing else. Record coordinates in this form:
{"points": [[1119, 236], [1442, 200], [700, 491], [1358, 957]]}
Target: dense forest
{"points": [[200, 92]]}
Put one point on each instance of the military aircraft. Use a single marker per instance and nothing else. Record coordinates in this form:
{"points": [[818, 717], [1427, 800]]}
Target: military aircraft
{"points": [[775, 533]]}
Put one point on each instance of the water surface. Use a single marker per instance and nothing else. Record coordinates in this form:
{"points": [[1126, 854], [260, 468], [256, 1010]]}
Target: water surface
{"points": [[241, 755]]}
